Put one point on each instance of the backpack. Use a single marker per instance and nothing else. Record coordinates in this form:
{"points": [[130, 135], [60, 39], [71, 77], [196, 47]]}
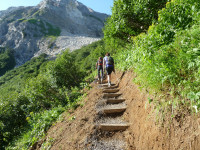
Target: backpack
{"points": [[110, 60], [100, 62]]}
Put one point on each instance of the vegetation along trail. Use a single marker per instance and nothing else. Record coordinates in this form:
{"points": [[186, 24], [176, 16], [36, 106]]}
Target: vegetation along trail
{"points": [[154, 101], [83, 128]]}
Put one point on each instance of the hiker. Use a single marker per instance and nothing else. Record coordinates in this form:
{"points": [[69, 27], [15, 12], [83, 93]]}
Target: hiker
{"points": [[99, 67], [108, 62]]}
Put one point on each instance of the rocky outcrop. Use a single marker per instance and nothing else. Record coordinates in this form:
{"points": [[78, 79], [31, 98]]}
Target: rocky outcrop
{"points": [[50, 27], [3, 13]]}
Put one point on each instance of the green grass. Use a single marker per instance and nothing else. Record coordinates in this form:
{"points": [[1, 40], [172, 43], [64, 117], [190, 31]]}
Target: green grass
{"points": [[44, 27]]}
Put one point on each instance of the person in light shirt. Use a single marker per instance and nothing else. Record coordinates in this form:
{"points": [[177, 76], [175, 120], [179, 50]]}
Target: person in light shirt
{"points": [[108, 63]]}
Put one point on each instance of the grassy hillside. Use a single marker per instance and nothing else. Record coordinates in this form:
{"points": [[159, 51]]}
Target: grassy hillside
{"points": [[166, 56], [33, 90], [11, 86], [35, 94]]}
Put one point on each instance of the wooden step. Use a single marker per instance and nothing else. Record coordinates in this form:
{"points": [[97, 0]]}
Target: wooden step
{"points": [[106, 85], [115, 101], [112, 87], [110, 90], [113, 127], [111, 95], [114, 110]]}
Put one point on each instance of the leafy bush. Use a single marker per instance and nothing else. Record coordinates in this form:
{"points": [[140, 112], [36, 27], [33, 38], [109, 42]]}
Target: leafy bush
{"points": [[41, 94], [7, 60], [177, 15], [167, 57], [129, 18], [12, 118], [38, 123], [64, 71]]}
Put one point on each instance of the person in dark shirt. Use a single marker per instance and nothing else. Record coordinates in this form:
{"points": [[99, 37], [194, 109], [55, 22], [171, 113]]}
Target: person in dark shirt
{"points": [[99, 67]]}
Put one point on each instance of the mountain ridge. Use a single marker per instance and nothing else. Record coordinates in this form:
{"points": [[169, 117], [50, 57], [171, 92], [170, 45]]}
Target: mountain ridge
{"points": [[49, 27]]}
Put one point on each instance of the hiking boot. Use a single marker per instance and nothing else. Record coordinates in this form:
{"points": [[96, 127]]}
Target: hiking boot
{"points": [[101, 80]]}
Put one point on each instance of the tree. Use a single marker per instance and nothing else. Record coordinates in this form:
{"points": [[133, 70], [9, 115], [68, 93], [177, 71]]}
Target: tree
{"points": [[7, 61], [130, 18], [64, 71]]}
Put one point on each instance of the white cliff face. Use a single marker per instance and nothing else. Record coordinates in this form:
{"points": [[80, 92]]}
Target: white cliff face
{"points": [[68, 9], [21, 40], [76, 18], [30, 31]]}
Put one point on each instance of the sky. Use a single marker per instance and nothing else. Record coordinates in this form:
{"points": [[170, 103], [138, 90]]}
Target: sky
{"points": [[103, 6]]}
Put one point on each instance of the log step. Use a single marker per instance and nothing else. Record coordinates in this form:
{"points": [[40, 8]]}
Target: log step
{"points": [[112, 87], [111, 95], [114, 110], [115, 101], [110, 90], [106, 85], [113, 127]]}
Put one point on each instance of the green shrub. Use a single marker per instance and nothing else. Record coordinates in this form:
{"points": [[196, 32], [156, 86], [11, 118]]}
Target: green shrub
{"points": [[166, 58], [129, 18], [64, 71], [46, 28], [41, 94], [7, 60], [38, 124], [178, 15], [12, 118]]}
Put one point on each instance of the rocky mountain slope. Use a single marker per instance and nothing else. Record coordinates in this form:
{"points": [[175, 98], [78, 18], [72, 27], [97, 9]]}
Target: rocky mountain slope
{"points": [[50, 27]]}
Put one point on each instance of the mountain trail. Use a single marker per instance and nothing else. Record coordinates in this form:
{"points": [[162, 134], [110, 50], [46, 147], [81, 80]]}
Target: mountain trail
{"points": [[121, 118]]}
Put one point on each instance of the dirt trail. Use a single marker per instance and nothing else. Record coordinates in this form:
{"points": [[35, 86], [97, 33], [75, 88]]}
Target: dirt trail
{"points": [[82, 129], [109, 123]]}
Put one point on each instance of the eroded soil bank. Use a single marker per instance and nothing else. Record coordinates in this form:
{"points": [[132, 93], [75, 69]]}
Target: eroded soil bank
{"points": [[144, 133]]}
